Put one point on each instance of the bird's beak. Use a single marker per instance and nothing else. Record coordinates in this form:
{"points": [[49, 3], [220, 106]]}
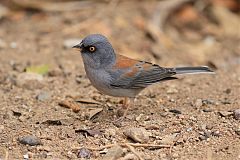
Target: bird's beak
{"points": [[78, 46]]}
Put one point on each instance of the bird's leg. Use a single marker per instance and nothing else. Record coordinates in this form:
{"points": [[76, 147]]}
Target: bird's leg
{"points": [[125, 106], [125, 103], [129, 102]]}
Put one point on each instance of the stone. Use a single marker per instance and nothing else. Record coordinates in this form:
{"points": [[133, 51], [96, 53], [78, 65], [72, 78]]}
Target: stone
{"points": [[43, 96], [225, 113], [237, 131], [172, 90], [168, 139], [138, 118], [198, 103], [25, 156], [110, 132], [30, 140], [114, 153], [83, 153], [140, 135], [13, 45], [236, 114], [175, 111]]}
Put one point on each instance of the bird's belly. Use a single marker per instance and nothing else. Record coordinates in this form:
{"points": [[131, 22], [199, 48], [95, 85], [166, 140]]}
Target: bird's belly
{"points": [[117, 92], [100, 79]]}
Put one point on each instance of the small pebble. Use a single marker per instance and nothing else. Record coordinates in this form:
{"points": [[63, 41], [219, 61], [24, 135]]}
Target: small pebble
{"points": [[139, 117], [44, 148], [84, 153], [225, 113], [114, 153], [137, 134], [236, 114], [25, 156], [207, 110], [162, 155], [216, 133], [202, 137], [208, 101], [175, 111], [175, 155], [228, 91], [30, 140], [226, 101], [198, 103], [43, 96], [237, 131], [207, 133], [13, 45], [172, 90], [110, 132], [152, 127], [168, 139]]}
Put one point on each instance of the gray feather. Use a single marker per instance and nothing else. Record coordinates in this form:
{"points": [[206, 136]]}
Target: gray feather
{"points": [[193, 70]]}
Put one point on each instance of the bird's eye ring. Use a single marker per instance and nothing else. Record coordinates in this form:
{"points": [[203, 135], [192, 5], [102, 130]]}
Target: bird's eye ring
{"points": [[92, 49]]}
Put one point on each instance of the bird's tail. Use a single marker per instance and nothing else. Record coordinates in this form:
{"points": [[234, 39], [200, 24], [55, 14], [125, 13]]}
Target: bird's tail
{"points": [[193, 70]]}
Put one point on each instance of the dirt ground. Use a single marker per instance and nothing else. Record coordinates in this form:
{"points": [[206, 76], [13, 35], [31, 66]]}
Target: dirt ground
{"points": [[196, 116]]}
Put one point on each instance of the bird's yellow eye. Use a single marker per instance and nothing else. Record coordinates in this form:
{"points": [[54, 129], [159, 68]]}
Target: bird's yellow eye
{"points": [[92, 49]]}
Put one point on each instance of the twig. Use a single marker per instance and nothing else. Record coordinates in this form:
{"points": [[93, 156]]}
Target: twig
{"points": [[96, 149], [131, 148], [126, 145], [148, 145]]}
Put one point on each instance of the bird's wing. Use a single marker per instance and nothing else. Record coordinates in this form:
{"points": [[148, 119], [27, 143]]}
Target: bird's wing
{"points": [[139, 74]]}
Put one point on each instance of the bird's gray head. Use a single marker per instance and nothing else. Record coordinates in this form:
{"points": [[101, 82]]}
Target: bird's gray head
{"points": [[97, 52]]}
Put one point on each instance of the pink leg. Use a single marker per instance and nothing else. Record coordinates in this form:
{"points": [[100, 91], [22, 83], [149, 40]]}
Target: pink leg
{"points": [[126, 104]]}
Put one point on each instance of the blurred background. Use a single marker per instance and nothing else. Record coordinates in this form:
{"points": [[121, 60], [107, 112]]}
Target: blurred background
{"points": [[39, 68], [171, 32]]}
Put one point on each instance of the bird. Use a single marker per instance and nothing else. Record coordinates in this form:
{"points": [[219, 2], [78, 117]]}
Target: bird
{"points": [[120, 76]]}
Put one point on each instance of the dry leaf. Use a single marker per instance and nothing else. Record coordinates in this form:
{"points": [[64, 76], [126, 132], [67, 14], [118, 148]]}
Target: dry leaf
{"points": [[93, 112], [91, 132]]}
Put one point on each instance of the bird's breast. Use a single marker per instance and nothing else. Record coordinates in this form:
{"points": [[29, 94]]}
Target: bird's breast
{"points": [[99, 78]]}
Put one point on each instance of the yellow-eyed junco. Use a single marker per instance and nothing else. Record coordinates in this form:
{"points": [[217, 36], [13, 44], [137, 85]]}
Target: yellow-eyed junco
{"points": [[120, 76]]}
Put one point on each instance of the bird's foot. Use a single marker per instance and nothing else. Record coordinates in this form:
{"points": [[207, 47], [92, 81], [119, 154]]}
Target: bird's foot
{"points": [[121, 114]]}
